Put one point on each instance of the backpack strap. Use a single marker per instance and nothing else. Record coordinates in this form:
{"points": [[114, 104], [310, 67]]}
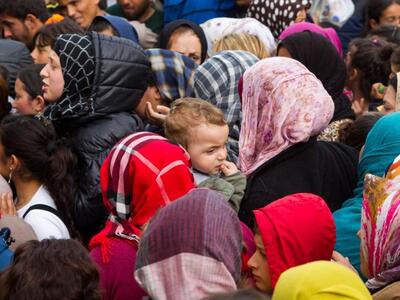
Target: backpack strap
{"points": [[43, 207]]}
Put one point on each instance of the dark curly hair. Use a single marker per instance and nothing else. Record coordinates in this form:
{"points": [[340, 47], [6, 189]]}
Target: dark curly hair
{"points": [[21, 8], [51, 269]]}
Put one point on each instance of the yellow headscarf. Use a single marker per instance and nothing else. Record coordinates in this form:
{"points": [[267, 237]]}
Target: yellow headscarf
{"points": [[320, 280]]}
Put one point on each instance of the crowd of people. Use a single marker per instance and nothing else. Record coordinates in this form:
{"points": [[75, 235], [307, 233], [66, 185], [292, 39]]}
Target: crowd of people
{"points": [[213, 149]]}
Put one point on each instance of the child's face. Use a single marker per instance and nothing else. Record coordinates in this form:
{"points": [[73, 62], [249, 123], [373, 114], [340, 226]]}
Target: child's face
{"points": [[23, 102], [207, 147]]}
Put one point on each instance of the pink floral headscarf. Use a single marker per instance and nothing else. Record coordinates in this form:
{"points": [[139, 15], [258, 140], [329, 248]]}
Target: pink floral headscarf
{"points": [[282, 104]]}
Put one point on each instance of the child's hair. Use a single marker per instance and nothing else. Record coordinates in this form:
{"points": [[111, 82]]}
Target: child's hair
{"points": [[101, 24], [388, 33], [242, 41], [30, 77], [372, 61], [395, 59], [51, 269], [47, 35], [377, 7], [42, 158], [355, 133], [4, 105], [187, 113]]}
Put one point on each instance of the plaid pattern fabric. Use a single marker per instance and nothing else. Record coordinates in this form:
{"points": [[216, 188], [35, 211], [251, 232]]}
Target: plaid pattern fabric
{"points": [[142, 173], [78, 66], [173, 73], [196, 240], [216, 81]]}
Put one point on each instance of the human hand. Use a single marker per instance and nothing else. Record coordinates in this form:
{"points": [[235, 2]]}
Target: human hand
{"points": [[378, 90], [228, 168], [344, 261], [359, 106], [156, 117], [7, 206]]}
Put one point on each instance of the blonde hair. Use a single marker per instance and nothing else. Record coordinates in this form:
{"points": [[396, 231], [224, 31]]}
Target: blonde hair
{"points": [[186, 114], [242, 41]]}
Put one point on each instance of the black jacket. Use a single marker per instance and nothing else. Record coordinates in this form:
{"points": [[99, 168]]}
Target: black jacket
{"points": [[14, 56], [326, 169], [121, 76]]}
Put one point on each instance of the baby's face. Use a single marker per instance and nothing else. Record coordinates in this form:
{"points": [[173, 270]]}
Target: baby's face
{"points": [[207, 147]]}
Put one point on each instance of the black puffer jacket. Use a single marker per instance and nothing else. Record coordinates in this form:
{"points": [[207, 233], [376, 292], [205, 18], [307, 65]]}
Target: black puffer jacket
{"points": [[14, 56], [120, 80]]}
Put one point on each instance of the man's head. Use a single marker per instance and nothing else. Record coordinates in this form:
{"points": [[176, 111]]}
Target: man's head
{"points": [[22, 19], [134, 9], [84, 11]]}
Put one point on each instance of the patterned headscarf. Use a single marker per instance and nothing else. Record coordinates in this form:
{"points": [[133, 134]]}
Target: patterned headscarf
{"points": [[173, 73], [216, 81], [217, 28], [78, 67], [277, 15], [283, 104], [191, 249], [142, 173], [380, 230]]}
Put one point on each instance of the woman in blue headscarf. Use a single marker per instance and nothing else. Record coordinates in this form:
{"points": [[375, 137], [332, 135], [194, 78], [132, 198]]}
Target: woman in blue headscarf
{"points": [[381, 148]]}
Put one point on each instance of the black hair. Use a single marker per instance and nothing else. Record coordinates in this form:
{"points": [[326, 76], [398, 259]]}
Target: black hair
{"points": [[355, 133], [377, 7], [47, 35], [43, 158], [388, 33], [103, 4], [372, 61], [5, 107], [21, 8], [30, 77], [395, 58], [51, 269], [101, 24]]}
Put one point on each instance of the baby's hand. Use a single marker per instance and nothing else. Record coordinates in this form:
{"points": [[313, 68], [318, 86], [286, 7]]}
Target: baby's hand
{"points": [[229, 168]]}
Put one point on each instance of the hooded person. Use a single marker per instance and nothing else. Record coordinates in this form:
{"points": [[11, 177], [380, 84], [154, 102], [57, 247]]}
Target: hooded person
{"points": [[14, 56], [284, 108], [308, 47], [291, 231], [138, 177], [380, 149], [320, 280], [195, 241], [216, 81], [328, 33], [116, 26], [380, 233], [103, 82], [217, 28], [175, 36], [278, 15]]}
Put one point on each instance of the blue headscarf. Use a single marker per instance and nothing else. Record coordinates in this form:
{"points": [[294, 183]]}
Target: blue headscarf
{"points": [[381, 148], [122, 26]]}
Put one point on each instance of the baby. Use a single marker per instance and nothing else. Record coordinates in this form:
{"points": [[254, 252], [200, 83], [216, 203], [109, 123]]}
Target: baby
{"points": [[202, 130]]}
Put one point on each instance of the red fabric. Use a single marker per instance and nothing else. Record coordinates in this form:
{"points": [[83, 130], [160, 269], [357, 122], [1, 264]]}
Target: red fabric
{"points": [[144, 172], [295, 230]]}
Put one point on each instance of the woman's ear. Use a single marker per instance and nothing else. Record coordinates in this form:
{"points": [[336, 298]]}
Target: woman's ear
{"points": [[353, 74], [373, 24], [13, 162], [38, 104]]}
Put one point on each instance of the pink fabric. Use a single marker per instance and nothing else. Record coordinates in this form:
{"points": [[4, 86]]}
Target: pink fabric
{"points": [[283, 103], [116, 277], [329, 33]]}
